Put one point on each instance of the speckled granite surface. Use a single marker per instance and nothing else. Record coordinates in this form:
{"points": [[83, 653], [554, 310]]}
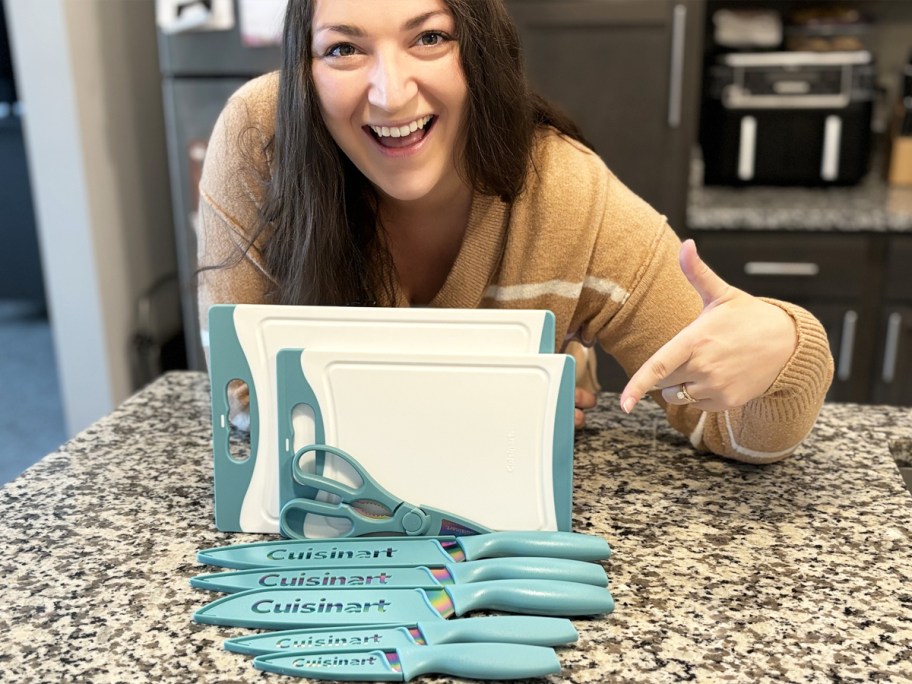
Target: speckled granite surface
{"points": [[870, 206], [796, 572]]}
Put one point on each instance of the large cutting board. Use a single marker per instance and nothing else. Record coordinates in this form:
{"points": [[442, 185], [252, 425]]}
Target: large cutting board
{"points": [[245, 338]]}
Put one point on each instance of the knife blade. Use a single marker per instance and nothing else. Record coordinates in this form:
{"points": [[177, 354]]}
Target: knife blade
{"points": [[514, 629], [298, 608], [419, 577], [475, 661], [405, 551]]}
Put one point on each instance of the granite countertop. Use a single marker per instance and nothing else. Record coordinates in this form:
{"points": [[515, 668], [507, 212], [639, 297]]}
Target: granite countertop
{"points": [[870, 206], [795, 572]]}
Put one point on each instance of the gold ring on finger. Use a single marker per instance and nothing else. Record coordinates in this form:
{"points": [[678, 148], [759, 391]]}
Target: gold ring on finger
{"points": [[684, 395]]}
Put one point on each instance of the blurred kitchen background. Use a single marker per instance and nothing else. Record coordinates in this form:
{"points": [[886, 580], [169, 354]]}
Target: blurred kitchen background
{"points": [[778, 134]]}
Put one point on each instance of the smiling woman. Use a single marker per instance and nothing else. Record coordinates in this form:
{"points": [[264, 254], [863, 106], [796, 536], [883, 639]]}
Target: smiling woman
{"points": [[399, 158], [376, 81]]}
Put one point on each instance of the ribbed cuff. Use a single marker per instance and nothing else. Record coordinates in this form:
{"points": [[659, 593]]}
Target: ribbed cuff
{"points": [[809, 371]]}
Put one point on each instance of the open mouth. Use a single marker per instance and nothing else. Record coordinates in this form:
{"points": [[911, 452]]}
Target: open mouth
{"points": [[402, 136]]}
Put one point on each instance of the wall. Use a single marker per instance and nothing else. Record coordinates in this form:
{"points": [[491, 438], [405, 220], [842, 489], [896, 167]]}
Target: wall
{"points": [[88, 76]]}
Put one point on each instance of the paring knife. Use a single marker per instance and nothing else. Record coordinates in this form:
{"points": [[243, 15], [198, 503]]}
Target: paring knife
{"points": [[299, 608], [418, 577], [475, 661], [405, 551], [509, 629]]}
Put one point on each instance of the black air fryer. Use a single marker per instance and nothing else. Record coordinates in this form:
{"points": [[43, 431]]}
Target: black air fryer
{"points": [[788, 118]]}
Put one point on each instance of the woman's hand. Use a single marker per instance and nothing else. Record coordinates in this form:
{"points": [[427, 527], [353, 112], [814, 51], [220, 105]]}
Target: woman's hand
{"points": [[584, 399], [728, 356]]}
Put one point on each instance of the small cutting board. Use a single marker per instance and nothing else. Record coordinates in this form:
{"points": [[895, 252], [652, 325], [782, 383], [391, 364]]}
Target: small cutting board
{"points": [[489, 438]]}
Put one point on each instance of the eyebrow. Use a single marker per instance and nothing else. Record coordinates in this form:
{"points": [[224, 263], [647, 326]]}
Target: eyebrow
{"points": [[356, 32]]}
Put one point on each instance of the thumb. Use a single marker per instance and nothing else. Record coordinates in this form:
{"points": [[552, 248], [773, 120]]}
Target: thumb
{"points": [[704, 280]]}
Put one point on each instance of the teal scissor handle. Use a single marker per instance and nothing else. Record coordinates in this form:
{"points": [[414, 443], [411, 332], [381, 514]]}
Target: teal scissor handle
{"points": [[368, 490], [402, 518], [405, 519]]}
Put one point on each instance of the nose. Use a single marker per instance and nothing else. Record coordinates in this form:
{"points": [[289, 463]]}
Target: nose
{"points": [[392, 84]]}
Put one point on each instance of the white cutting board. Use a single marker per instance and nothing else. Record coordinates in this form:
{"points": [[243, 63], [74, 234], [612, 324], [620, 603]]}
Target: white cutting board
{"points": [[244, 340], [489, 438]]}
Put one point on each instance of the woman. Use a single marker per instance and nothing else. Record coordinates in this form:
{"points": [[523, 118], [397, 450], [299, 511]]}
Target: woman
{"points": [[399, 159]]}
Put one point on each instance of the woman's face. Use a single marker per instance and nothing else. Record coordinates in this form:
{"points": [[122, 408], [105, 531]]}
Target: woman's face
{"points": [[392, 91]]}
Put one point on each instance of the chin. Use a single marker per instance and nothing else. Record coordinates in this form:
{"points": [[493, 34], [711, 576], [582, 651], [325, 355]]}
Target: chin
{"points": [[406, 192]]}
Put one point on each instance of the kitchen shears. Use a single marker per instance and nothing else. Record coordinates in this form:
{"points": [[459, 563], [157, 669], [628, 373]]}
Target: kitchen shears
{"points": [[366, 509]]}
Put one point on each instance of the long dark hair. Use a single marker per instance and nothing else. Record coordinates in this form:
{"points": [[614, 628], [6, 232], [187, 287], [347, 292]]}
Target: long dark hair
{"points": [[320, 213]]}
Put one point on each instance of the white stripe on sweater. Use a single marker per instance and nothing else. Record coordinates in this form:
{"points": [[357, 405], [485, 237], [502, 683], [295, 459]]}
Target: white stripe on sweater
{"points": [[559, 288], [753, 453], [697, 435]]}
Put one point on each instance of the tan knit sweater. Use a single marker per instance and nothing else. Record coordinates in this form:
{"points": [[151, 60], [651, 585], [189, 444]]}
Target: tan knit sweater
{"points": [[576, 242]]}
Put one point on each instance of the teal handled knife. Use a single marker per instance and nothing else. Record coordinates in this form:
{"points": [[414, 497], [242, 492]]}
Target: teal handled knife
{"points": [[405, 551], [474, 661], [508, 629], [419, 577], [300, 608]]}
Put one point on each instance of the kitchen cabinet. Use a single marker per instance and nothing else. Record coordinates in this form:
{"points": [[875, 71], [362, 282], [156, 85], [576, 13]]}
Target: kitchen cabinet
{"points": [[857, 285], [893, 369], [628, 72]]}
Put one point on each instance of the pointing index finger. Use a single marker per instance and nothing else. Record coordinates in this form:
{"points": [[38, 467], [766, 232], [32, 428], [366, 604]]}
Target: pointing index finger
{"points": [[671, 356]]}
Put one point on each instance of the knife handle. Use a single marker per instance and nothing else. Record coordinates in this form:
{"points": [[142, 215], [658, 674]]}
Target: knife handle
{"points": [[528, 567], [534, 630], [479, 661], [573, 545], [537, 597]]}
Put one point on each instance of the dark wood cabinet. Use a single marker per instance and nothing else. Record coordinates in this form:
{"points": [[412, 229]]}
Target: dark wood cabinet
{"points": [[893, 373], [893, 362], [628, 72]]}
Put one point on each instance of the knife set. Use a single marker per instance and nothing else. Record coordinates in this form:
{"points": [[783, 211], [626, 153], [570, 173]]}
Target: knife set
{"points": [[378, 608], [460, 411]]}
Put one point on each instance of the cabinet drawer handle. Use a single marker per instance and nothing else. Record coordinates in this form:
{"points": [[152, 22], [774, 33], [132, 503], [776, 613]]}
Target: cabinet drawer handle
{"points": [[806, 269], [892, 347], [847, 346], [676, 85]]}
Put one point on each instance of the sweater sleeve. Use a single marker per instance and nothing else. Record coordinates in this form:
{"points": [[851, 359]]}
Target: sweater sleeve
{"points": [[235, 173], [659, 302]]}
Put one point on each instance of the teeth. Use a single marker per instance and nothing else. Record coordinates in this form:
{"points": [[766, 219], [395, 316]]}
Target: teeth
{"points": [[400, 131]]}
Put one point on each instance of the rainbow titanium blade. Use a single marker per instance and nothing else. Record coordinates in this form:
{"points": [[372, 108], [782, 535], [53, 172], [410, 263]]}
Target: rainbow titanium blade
{"points": [[406, 551], [418, 577], [475, 661], [299, 608], [518, 629]]}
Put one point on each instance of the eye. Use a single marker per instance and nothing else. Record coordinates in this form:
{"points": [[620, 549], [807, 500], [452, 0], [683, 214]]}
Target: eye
{"points": [[432, 38], [341, 50]]}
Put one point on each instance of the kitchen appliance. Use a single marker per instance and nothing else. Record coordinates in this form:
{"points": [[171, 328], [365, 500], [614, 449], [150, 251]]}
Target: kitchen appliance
{"points": [[204, 58], [788, 118], [20, 258]]}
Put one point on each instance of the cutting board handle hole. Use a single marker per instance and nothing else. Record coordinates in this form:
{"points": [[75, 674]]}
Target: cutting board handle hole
{"points": [[238, 395]]}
